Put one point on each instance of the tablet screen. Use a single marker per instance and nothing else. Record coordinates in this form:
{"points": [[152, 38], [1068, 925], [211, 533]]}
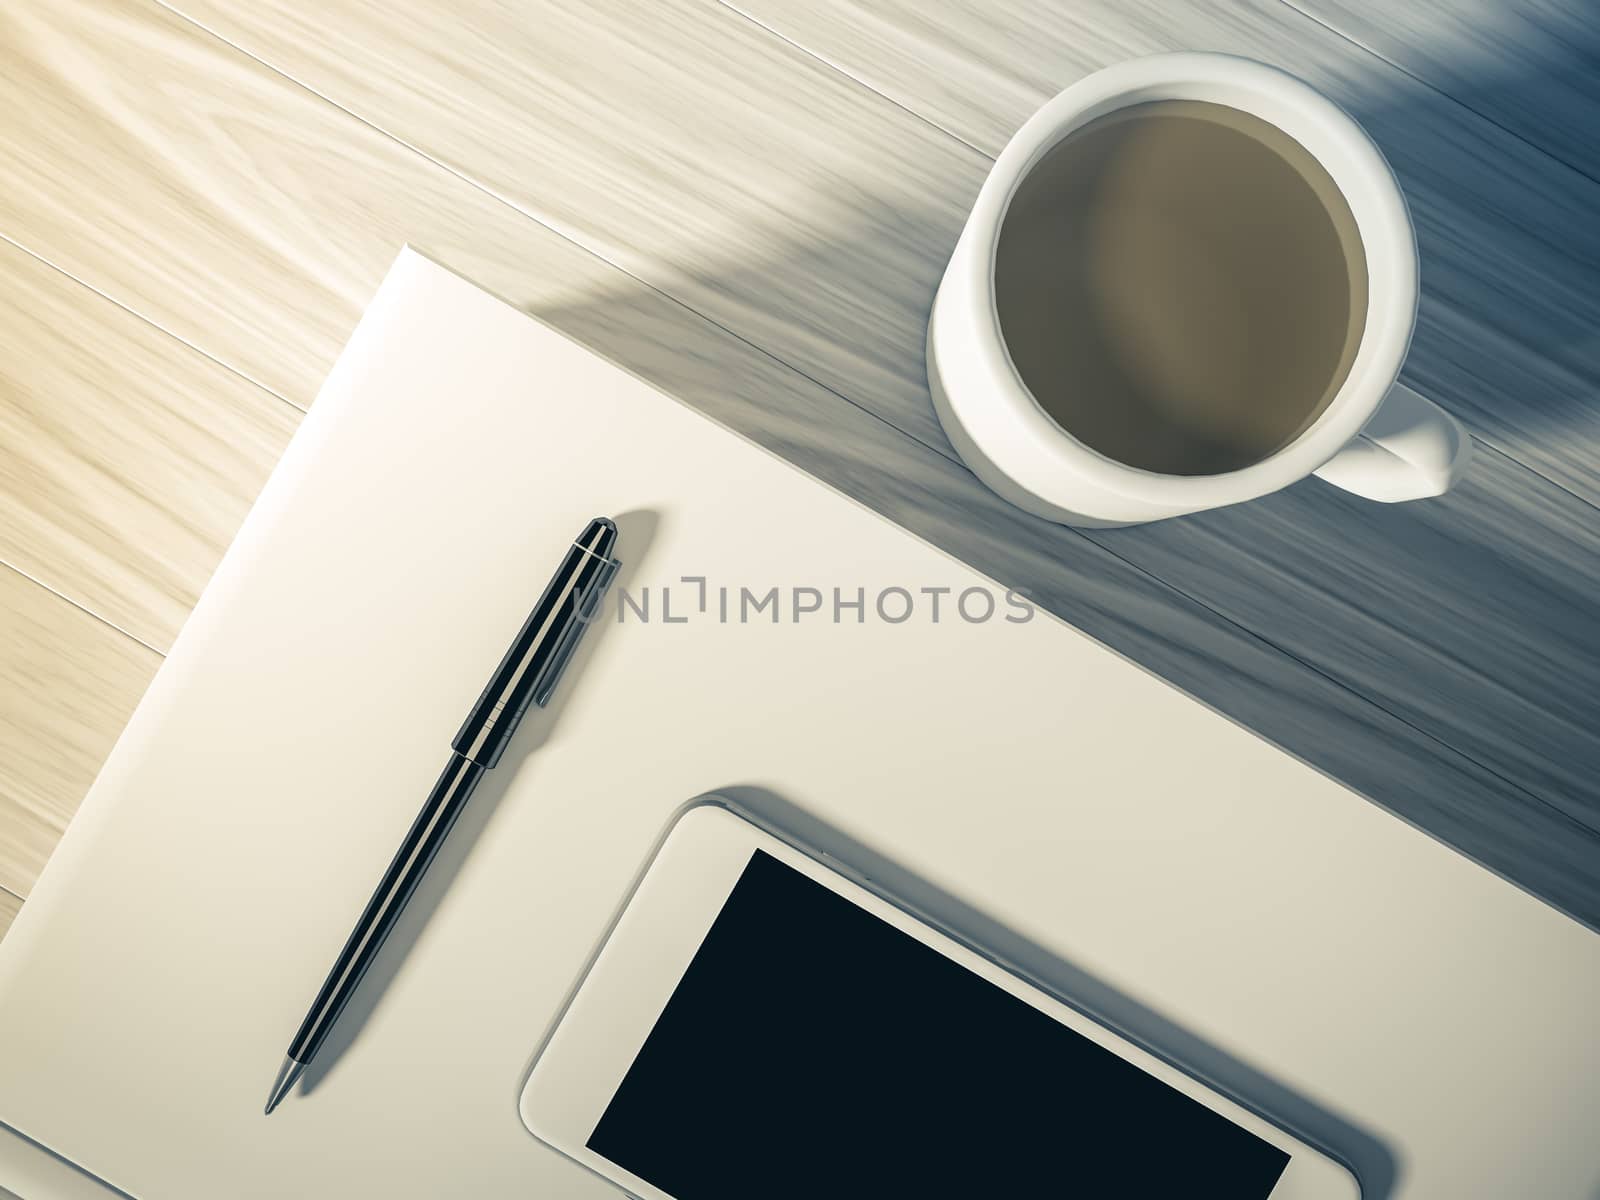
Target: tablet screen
{"points": [[812, 1049]]}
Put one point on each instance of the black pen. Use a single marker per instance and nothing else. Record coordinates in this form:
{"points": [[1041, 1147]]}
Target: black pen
{"points": [[527, 674]]}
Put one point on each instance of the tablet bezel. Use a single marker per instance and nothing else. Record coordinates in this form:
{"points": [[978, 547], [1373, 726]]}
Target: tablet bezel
{"points": [[658, 933]]}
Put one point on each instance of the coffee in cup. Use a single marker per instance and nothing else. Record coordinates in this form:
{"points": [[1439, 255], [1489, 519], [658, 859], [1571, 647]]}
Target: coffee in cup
{"points": [[1181, 286]]}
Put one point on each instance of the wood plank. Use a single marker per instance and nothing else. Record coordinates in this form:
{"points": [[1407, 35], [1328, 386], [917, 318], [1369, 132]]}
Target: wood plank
{"points": [[68, 683], [611, 104], [10, 906], [1533, 66], [198, 130], [746, 178], [127, 459], [749, 181]]}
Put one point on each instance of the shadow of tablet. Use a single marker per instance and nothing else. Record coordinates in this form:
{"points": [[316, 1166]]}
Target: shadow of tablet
{"points": [[1374, 1163], [636, 529]]}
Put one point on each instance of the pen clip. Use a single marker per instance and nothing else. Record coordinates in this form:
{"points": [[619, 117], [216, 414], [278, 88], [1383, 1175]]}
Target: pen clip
{"points": [[588, 607]]}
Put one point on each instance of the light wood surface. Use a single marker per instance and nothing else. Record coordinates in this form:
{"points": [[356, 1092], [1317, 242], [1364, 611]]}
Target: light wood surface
{"points": [[68, 683], [755, 184], [129, 459], [756, 223]]}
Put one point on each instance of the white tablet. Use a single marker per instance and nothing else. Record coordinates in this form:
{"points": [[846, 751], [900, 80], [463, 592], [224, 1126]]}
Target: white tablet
{"points": [[759, 1025]]}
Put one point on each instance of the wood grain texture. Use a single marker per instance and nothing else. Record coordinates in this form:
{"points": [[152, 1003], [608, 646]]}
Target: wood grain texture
{"points": [[1532, 66], [825, 214], [127, 460], [68, 683], [194, 189], [1510, 252], [218, 167], [751, 182], [754, 184]]}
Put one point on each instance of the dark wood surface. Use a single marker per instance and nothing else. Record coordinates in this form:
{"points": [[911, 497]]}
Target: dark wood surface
{"points": [[751, 208], [1532, 66]]}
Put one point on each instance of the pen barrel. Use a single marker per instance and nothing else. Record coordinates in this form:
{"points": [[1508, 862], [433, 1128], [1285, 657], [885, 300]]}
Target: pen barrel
{"points": [[444, 804], [538, 653], [525, 676]]}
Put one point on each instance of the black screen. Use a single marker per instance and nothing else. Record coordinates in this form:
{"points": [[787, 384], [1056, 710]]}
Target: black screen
{"points": [[813, 1050]]}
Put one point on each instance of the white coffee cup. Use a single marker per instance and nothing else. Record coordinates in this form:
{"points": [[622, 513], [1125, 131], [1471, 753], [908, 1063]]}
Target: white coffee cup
{"points": [[1377, 438]]}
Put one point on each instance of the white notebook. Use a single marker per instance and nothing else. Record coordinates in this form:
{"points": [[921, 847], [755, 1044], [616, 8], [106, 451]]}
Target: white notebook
{"points": [[1221, 894]]}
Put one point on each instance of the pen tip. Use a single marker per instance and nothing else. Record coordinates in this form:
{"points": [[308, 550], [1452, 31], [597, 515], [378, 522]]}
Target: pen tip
{"points": [[287, 1074]]}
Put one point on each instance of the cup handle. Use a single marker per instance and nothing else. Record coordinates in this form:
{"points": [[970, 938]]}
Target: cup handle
{"points": [[1409, 449]]}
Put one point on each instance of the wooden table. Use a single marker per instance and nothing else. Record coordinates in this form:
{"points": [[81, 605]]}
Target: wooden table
{"points": [[750, 205]]}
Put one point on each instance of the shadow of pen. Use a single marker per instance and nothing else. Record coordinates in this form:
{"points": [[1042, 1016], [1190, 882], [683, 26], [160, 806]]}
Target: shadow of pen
{"points": [[636, 529]]}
